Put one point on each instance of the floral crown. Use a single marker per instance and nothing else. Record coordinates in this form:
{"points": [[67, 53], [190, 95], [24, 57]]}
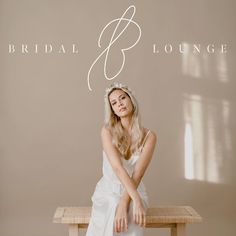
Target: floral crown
{"points": [[118, 86]]}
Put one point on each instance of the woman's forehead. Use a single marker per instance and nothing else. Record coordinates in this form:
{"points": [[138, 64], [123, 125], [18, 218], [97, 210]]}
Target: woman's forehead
{"points": [[116, 93]]}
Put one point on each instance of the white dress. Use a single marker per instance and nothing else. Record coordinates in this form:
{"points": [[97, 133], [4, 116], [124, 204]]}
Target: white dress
{"points": [[106, 197]]}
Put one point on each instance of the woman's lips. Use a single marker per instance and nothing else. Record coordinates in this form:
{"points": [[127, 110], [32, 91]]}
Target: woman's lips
{"points": [[122, 109]]}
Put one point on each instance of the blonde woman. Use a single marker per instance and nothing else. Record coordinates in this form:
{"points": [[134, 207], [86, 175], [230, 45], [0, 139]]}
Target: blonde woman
{"points": [[120, 200]]}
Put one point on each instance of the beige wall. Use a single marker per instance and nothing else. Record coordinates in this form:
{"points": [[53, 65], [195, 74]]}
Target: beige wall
{"points": [[51, 152]]}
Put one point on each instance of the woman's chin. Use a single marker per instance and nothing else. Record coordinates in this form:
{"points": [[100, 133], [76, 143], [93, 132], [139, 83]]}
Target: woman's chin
{"points": [[125, 114]]}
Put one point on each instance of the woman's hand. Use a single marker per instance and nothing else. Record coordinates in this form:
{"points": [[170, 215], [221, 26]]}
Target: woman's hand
{"points": [[139, 212], [121, 218]]}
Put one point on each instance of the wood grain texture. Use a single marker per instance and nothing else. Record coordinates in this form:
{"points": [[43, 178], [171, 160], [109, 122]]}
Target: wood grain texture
{"points": [[156, 216]]}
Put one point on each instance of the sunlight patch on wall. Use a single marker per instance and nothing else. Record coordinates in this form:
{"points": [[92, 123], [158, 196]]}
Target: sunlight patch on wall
{"points": [[207, 136], [202, 61], [222, 68], [188, 152], [207, 141], [193, 129], [191, 62]]}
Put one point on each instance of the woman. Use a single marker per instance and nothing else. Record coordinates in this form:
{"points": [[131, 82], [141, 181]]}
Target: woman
{"points": [[120, 200]]}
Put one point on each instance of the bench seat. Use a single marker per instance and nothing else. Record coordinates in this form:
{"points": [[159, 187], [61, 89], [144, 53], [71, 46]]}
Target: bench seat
{"points": [[173, 217]]}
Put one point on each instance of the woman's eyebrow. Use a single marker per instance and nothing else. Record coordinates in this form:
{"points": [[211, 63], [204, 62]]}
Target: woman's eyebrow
{"points": [[118, 97]]}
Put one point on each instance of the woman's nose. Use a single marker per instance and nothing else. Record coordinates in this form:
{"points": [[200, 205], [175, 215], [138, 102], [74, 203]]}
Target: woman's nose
{"points": [[120, 103]]}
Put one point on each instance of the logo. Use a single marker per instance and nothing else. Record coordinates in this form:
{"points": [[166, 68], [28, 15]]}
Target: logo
{"points": [[116, 24]]}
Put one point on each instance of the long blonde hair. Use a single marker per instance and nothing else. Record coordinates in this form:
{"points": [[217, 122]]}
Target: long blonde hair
{"points": [[126, 146]]}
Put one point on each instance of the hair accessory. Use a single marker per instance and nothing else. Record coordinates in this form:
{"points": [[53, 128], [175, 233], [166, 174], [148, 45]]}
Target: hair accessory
{"points": [[118, 86]]}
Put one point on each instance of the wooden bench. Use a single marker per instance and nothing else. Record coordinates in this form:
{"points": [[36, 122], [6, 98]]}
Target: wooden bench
{"points": [[173, 217]]}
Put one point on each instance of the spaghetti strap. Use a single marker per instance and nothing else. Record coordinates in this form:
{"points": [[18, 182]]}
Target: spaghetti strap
{"points": [[145, 139]]}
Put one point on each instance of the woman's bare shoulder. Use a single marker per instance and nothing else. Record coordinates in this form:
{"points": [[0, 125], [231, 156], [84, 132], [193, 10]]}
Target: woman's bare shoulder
{"points": [[105, 131], [152, 133]]}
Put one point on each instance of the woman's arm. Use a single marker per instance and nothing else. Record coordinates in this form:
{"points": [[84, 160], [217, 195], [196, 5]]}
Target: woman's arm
{"points": [[114, 157], [141, 165]]}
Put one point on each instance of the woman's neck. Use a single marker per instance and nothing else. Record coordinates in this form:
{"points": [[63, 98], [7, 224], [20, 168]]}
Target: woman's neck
{"points": [[126, 124]]}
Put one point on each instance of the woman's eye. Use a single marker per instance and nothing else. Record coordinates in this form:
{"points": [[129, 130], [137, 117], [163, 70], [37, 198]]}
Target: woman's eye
{"points": [[123, 97]]}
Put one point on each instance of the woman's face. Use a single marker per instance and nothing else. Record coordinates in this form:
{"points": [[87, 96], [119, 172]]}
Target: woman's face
{"points": [[121, 103]]}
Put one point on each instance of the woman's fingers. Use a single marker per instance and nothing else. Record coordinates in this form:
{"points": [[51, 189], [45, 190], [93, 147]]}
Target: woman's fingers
{"points": [[139, 217], [126, 224], [121, 218], [117, 225], [135, 217], [121, 224], [141, 220], [134, 214]]}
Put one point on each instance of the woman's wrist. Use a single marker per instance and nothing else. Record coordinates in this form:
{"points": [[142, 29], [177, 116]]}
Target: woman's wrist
{"points": [[137, 199], [124, 201]]}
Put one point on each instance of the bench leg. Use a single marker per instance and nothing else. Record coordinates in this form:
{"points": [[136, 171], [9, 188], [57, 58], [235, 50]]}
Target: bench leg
{"points": [[73, 230], [179, 230]]}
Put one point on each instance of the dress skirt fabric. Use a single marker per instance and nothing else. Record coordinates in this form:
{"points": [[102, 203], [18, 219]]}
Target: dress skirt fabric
{"points": [[105, 199]]}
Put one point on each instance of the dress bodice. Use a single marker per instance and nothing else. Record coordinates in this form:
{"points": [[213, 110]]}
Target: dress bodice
{"points": [[110, 180], [109, 173]]}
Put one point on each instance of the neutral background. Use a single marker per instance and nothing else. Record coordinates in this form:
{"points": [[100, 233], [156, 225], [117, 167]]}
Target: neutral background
{"points": [[51, 153]]}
